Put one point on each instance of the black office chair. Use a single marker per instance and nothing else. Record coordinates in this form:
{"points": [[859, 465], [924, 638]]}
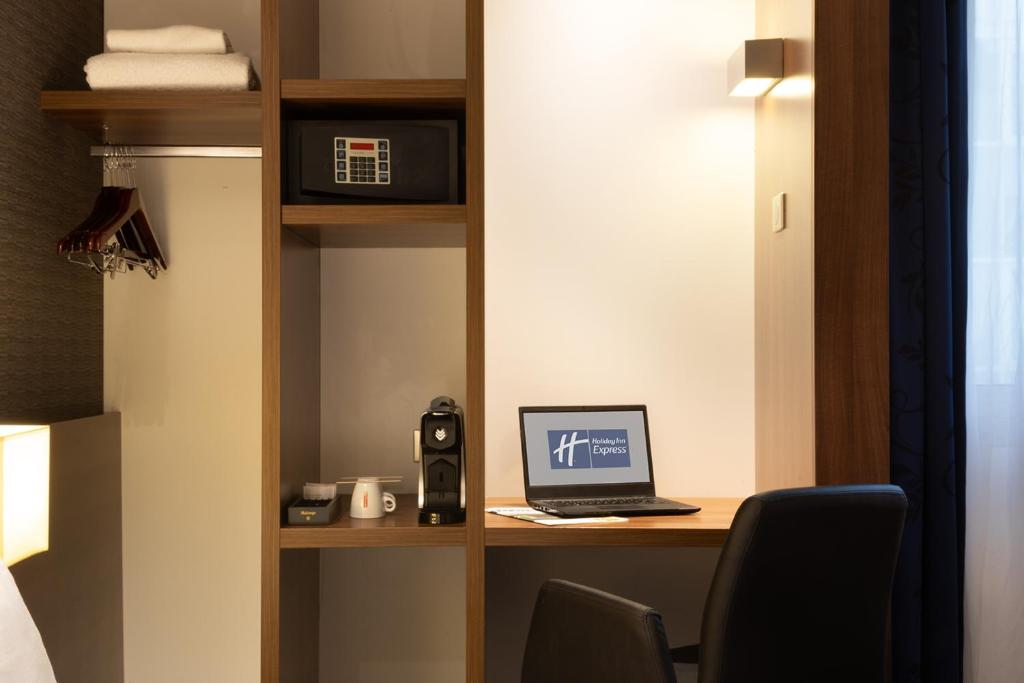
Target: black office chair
{"points": [[582, 634], [800, 594]]}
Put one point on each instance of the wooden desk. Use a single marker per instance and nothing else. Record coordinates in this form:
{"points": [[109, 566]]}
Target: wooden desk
{"points": [[704, 529]]}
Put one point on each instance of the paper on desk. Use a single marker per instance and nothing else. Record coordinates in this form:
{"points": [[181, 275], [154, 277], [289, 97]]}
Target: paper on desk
{"points": [[528, 514]]}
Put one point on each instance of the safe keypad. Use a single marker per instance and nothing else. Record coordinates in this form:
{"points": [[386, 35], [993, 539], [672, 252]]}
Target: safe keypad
{"points": [[362, 161]]}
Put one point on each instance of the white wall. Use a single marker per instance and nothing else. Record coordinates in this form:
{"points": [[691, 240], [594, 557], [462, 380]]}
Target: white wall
{"points": [[182, 366], [619, 243], [619, 269]]}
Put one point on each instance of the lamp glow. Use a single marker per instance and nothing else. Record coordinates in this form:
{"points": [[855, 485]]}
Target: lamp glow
{"points": [[753, 87], [24, 491]]}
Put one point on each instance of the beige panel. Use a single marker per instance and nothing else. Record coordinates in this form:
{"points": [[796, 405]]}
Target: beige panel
{"points": [[74, 589], [300, 616], [392, 614], [300, 365], [385, 356], [392, 39], [300, 447], [239, 18], [182, 365], [300, 45], [784, 261]]}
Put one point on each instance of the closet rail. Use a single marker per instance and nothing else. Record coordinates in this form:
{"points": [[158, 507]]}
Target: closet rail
{"points": [[183, 151]]}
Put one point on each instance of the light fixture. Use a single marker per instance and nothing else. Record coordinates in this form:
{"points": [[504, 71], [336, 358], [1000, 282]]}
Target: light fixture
{"points": [[756, 67], [24, 491]]}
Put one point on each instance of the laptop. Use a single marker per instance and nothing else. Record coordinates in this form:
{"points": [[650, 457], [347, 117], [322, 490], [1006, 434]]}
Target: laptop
{"points": [[588, 461]]}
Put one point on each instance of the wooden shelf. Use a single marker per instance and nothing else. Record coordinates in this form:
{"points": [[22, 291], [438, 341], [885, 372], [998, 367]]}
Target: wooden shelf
{"points": [[398, 529], [159, 117], [378, 225], [705, 529], [377, 214], [389, 92]]}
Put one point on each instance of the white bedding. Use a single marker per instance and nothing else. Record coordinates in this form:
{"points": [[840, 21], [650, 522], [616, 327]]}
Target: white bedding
{"points": [[22, 654]]}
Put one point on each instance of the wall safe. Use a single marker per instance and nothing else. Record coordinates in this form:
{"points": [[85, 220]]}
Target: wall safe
{"points": [[372, 162]]}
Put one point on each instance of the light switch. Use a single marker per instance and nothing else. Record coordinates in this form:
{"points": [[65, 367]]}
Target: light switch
{"points": [[779, 212]]}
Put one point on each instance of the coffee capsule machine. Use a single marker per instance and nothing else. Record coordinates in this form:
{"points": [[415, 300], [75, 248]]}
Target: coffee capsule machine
{"points": [[441, 452]]}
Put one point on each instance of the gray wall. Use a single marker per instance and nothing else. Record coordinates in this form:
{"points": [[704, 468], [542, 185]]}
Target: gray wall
{"points": [[51, 324]]}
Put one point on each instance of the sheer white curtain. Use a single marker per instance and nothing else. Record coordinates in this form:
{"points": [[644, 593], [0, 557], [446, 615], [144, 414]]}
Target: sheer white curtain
{"points": [[994, 591]]}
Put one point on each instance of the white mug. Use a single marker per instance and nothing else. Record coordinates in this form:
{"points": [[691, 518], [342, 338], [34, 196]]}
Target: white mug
{"points": [[369, 500]]}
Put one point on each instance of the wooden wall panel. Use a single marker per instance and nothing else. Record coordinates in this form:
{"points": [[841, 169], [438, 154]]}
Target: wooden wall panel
{"points": [[51, 312], [74, 590], [851, 246], [784, 261], [270, 559], [475, 557]]}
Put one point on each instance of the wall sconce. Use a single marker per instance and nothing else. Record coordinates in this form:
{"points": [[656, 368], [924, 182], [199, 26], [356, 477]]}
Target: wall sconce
{"points": [[24, 491], [756, 67]]}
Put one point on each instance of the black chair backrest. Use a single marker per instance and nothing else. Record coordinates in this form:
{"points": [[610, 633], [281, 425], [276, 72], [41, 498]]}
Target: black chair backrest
{"points": [[802, 588], [579, 635]]}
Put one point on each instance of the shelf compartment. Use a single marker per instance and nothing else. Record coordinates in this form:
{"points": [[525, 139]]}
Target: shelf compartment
{"points": [[383, 93], [398, 529], [159, 117]]}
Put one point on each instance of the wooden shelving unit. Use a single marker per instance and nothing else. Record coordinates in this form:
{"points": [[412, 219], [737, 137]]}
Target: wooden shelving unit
{"points": [[399, 529], [160, 117], [291, 343]]}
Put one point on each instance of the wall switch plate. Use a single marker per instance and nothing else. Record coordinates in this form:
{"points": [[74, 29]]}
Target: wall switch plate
{"points": [[779, 212]]}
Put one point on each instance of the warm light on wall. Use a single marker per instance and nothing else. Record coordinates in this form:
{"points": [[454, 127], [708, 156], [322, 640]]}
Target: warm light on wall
{"points": [[755, 67], [24, 491]]}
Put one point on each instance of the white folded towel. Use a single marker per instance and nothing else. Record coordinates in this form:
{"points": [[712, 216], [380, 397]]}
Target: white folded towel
{"points": [[133, 71], [194, 40]]}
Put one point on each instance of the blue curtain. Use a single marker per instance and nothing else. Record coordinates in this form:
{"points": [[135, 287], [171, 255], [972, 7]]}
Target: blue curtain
{"points": [[927, 316]]}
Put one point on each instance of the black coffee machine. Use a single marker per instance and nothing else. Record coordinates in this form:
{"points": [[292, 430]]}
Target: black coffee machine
{"points": [[442, 445]]}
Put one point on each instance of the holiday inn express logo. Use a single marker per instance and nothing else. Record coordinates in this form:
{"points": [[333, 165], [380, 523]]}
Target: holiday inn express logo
{"points": [[588, 448]]}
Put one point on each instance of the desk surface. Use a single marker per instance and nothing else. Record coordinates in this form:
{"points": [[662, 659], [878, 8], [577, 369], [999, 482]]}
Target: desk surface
{"points": [[706, 528]]}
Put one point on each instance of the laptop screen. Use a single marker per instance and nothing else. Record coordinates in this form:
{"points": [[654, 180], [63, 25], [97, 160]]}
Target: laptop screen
{"points": [[585, 446]]}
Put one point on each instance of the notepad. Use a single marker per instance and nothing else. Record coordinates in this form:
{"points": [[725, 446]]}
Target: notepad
{"points": [[528, 514]]}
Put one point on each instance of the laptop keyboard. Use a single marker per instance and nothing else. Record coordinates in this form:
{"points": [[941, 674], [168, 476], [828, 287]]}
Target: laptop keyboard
{"points": [[630, 500]]}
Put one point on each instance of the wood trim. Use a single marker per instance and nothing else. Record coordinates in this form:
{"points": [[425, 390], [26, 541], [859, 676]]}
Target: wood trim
{"points": [[400, 529], [851, 245], [270, 652], [450, 92], [363, 214], [58, 101], [159, 117], [475, 535]]}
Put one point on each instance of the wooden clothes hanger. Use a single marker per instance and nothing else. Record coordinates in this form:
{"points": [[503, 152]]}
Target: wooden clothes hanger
{"points": [[117, 235]]}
